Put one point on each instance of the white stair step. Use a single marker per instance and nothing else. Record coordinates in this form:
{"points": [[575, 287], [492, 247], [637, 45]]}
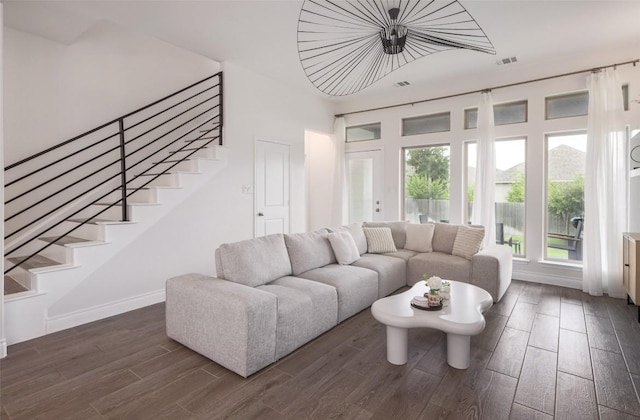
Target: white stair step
{"points": [[142, 195], [89, 231], [12, 286], [167, 179], [99, 221], [206, 152], [35, 262], [71, 241], [178, 165]]}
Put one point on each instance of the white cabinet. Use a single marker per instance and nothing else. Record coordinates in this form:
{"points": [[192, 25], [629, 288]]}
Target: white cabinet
{"points": [[630, 269]]}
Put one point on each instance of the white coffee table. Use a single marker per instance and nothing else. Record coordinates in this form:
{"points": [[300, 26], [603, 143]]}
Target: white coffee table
{"points": [[461, 319]]}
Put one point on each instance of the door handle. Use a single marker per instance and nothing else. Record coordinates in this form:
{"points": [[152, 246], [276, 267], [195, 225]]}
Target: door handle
{"points": [[260, 214]]}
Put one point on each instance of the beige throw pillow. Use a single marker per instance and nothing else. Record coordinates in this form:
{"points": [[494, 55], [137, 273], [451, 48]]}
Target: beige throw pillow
{"points": [[379, 240], [468, 241], [344, 246], [419, 237]]}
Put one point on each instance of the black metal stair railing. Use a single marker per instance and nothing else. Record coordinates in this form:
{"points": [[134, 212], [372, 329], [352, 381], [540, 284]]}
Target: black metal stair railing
{"points": [[105, 166]]}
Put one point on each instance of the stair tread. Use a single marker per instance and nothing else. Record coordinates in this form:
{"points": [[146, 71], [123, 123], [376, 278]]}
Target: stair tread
{"points": [[96, 221], [65, 240], [129, 203], [11, 286], [37, 261], [188, 149]]}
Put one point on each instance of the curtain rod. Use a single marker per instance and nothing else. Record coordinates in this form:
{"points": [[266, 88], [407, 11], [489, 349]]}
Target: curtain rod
{"points": [[595, 69]]}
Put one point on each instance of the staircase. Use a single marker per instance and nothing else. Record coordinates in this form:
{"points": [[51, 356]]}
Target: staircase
{"points": [[72, 207]]}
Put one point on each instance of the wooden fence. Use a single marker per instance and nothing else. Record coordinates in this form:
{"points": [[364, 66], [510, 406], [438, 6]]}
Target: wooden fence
{"points": [[511, 214]]}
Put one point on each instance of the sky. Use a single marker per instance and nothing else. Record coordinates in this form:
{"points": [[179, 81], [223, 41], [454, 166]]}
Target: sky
{"points": [[510, 153]]}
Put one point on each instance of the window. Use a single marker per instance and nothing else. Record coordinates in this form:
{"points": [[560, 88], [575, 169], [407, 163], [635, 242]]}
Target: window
{"points": [[426, 183], [363, 132], [571, 105], [565, 196], [509, 191], [503, 114], [435, 123]]}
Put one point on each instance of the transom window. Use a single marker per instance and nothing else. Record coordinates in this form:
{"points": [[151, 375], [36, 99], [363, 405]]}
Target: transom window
{"points": [[363, 132], [503, 114], [434, 123]]}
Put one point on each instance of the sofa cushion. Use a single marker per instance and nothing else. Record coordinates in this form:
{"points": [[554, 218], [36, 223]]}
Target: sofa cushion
{"points": [[468, 241], [392, 271], [309, 250], [398, 231], [379, 240], [446, 266], [405, 254], [344, 247], [305, 308], [324, 301], [444, 235], [419, 237], [253, 262], [357, 287], [355, 229]]}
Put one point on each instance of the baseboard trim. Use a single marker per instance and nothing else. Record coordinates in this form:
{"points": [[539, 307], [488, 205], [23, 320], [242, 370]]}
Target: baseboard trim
{"points": [[548, 279], [95, 313], [3, 348]]}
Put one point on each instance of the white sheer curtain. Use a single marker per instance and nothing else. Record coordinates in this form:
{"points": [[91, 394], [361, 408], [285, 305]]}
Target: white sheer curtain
{"points": [[339, 199], [605, 198], [483, 211]]}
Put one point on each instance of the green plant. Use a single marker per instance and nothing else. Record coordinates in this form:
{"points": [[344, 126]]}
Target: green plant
{"points": [[566, 199], [516, 192], [430, 162], [419, 186]]}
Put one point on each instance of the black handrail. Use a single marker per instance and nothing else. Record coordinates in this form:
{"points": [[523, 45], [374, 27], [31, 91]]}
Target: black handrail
{"points": [[62, 203]]}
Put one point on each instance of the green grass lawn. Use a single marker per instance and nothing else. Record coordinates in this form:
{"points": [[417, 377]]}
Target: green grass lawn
{"points": [[551, 252]]}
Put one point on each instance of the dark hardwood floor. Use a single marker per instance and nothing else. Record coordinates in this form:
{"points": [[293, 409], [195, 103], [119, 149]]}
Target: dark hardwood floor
{"points": [[546, 352]]}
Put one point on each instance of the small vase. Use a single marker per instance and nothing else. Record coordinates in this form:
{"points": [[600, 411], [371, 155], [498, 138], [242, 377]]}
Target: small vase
{"points": [[434, 299], [446, 292]]}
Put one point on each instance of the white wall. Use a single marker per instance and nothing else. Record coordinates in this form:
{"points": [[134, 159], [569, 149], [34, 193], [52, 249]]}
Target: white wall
{"points": [[320, 149], [3, 341], [55, 91], [185, 240], [531, 268]]}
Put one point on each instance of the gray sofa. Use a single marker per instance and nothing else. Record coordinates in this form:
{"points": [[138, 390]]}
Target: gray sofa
{"points": [[275, 293]]}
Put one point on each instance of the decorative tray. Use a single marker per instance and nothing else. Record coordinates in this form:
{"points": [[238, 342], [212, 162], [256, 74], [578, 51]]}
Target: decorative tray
{"points": [[427, 308]]}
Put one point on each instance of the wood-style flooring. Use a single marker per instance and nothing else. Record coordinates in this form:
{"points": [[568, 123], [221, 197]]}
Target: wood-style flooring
{"points": [[547, 352]]}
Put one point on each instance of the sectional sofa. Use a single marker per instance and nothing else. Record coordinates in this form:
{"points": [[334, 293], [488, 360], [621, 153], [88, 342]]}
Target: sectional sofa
{"points": [[275, 293]]}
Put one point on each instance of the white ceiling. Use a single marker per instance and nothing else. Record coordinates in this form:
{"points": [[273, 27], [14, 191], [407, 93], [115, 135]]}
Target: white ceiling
{"points": [[261, 35]]}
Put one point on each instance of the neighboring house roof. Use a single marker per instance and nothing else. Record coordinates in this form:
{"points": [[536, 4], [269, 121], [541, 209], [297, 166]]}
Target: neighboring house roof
{"points": [[565, 163]]}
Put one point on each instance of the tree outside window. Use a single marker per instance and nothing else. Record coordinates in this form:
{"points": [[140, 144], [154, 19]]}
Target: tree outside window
{"points": [[426, 174]]}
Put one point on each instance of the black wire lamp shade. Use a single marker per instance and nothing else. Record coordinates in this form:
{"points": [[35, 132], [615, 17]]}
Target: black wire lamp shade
{"points": [[347, 45]]}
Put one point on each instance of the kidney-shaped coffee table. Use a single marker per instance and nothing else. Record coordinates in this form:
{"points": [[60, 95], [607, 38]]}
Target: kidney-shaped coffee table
{"points": [[460, 319]]}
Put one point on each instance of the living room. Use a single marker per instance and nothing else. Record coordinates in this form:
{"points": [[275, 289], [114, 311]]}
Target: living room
{"points": [[261, 107]]}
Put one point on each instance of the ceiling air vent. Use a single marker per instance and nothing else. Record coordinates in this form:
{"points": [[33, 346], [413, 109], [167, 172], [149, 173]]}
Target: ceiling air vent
{"points": [[507, 60], [400, 84]]}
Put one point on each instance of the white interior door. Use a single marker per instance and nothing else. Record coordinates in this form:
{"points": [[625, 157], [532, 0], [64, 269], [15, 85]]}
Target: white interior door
{"points": [[272, 188], [365, 186]]}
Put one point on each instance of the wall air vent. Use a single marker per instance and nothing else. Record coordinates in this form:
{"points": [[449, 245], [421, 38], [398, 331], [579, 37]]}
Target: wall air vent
{"points": [[507, 60], [401, 84]]}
